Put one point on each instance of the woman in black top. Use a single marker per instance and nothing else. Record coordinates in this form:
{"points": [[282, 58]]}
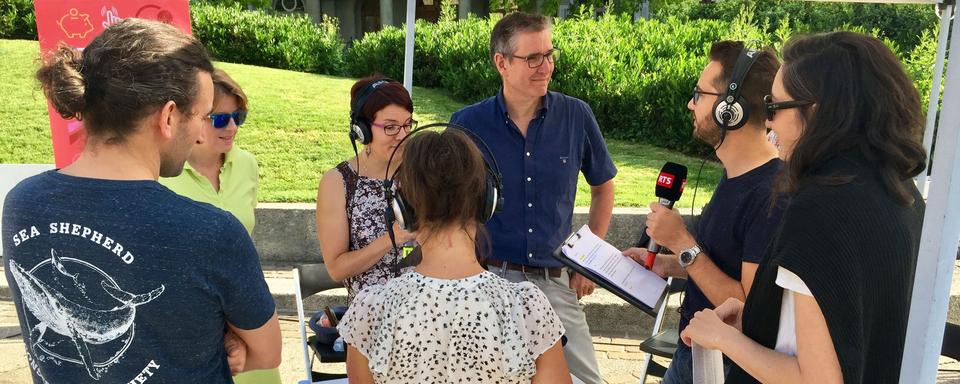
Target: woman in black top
{"points": [[831, 299]]}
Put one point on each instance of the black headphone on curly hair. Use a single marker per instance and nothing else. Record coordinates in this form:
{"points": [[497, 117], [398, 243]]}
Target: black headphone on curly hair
{"points": [[400, 211], [731, 112]]}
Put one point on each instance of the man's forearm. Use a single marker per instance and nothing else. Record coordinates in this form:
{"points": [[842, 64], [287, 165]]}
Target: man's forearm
{"points": [[601, 208], [716, 285]]}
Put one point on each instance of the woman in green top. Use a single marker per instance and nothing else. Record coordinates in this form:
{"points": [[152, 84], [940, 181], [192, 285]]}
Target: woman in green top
{"points": [[221, 174], [217, 172]]}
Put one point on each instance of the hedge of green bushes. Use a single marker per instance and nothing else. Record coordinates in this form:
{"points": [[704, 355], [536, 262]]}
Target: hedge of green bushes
{"points": [[253, 37], [637, 76], [902, 23]]}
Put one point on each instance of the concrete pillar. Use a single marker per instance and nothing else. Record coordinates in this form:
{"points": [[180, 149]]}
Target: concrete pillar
{"points": [[463, 9], [312, 8], [347, 12], [386, 12], [328, 7]]}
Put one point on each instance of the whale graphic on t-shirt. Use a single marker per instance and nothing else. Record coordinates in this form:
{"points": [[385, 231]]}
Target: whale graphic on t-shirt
{"points": [[77, 321]]}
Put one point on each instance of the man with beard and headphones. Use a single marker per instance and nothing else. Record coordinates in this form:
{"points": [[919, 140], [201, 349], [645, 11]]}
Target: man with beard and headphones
{"points": [[720, 261]]}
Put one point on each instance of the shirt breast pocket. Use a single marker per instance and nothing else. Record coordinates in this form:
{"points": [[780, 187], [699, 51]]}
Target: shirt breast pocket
{"points": [[559, 176]]}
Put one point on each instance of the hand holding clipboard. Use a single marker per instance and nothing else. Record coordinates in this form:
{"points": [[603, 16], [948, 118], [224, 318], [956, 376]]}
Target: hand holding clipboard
{"points": [[605, 265]]}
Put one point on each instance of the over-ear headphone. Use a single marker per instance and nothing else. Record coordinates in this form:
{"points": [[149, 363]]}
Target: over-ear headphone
{"points": [[359, 126], [399, 210], [730, 112]]}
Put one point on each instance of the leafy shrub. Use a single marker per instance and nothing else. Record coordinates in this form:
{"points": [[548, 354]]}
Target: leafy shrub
{"points": [[17, 20], [450, 54], [637, 77], [898, 22], [248, 4], [254, 37], [380, 52]]}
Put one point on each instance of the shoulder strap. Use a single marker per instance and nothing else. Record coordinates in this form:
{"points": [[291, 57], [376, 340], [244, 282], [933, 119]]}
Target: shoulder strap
{"points": [[350, 187]]}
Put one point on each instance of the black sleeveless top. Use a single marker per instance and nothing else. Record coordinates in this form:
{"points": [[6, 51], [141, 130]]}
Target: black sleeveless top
{"points": [[856, 249]]}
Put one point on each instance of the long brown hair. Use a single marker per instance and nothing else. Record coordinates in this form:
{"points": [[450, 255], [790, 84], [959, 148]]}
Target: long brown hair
{"points": [[865, 102]]}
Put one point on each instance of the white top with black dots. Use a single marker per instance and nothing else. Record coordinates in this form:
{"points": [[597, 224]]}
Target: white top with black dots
{"points": [[479, 329]]}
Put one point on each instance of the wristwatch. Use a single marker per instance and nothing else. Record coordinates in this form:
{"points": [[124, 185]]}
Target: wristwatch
{"points": [[688, 256]]}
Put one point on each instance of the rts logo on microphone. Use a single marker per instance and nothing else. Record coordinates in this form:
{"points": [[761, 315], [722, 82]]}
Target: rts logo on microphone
{"points": [[665, 180]]}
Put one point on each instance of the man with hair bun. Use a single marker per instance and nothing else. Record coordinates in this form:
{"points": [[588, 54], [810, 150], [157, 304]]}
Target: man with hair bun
{"points": [[114, 277]]}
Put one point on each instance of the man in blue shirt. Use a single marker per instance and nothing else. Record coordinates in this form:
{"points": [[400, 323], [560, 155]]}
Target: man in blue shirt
{"points": [[720, 261], [115, 278], [542, 141]]}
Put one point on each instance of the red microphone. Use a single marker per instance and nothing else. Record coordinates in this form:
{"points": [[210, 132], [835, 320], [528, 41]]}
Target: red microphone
{"points": [[670, 183]]}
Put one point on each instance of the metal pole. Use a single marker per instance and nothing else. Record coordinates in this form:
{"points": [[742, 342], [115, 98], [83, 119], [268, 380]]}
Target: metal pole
{"points": [[408, 47], [935, 89], [656, 329], [938, 244]]}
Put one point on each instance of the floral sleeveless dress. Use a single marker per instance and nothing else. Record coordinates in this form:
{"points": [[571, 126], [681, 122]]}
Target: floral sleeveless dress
{"points": [[366, 203]]}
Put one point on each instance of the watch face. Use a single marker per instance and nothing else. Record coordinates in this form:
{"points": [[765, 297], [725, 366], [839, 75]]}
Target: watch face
{"points": [[686, 257]]}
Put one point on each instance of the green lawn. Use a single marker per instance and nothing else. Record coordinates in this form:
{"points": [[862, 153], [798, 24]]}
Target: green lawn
{"points": [[297, 130]]}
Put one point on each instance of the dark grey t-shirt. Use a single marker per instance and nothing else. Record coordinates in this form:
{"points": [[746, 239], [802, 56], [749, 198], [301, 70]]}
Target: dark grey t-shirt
{"points": [[127, 282]]}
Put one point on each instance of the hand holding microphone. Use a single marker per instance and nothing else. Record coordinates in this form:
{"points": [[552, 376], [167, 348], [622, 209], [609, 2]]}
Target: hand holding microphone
{"points": [[662, 220]]}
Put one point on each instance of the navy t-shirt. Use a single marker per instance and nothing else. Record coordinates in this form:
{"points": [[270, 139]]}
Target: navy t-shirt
{"points": [[127, 282], [735, 227]]}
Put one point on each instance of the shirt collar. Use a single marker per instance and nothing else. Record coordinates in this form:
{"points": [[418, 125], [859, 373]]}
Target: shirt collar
{"points": [[544, 103], [231, 155], [228, 159]]}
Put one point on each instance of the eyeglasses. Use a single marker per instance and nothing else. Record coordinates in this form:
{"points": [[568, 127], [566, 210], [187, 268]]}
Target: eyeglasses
{"points": [[772, 107], [697, 92], [221, 120], [535, 60], [394, 129]]}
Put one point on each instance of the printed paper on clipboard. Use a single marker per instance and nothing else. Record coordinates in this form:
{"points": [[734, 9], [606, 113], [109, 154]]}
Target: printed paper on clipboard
{"points": [[592, 253]]}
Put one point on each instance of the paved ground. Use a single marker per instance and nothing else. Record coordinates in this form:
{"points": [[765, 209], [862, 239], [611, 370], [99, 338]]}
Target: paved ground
{"points": [[620, 359]]}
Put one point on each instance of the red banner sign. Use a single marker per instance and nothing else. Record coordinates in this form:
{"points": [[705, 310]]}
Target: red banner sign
{"points": [[76, 23]]}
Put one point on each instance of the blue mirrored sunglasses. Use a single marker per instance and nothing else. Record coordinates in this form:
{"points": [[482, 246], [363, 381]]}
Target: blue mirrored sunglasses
{"points": [[221, 120]]}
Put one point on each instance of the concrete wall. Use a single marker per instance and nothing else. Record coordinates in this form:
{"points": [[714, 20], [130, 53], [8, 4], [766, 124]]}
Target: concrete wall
{"points": [[286, 233]]}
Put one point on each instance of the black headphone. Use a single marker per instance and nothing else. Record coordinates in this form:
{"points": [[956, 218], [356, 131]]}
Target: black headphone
{"points": [[399, 210], [359, 126], [730, 112]]}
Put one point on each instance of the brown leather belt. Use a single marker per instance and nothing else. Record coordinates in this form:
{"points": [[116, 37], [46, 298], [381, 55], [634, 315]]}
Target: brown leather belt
{"points": [[552, 272]]}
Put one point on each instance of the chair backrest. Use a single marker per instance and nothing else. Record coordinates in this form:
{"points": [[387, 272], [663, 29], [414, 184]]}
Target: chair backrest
{"points": [[309, 279], [951, 341], [314, 278]]}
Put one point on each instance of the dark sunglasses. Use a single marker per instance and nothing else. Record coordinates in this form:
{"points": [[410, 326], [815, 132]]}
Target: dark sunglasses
{"points": [[697, 92], [772, 107], [221, 120]]}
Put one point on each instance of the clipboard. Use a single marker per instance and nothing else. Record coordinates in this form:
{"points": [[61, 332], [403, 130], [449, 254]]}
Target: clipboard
{"points": [[603, 281]]}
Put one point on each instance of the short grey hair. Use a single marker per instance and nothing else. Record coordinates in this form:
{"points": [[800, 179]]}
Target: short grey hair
{"points": [[501, 39]]}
